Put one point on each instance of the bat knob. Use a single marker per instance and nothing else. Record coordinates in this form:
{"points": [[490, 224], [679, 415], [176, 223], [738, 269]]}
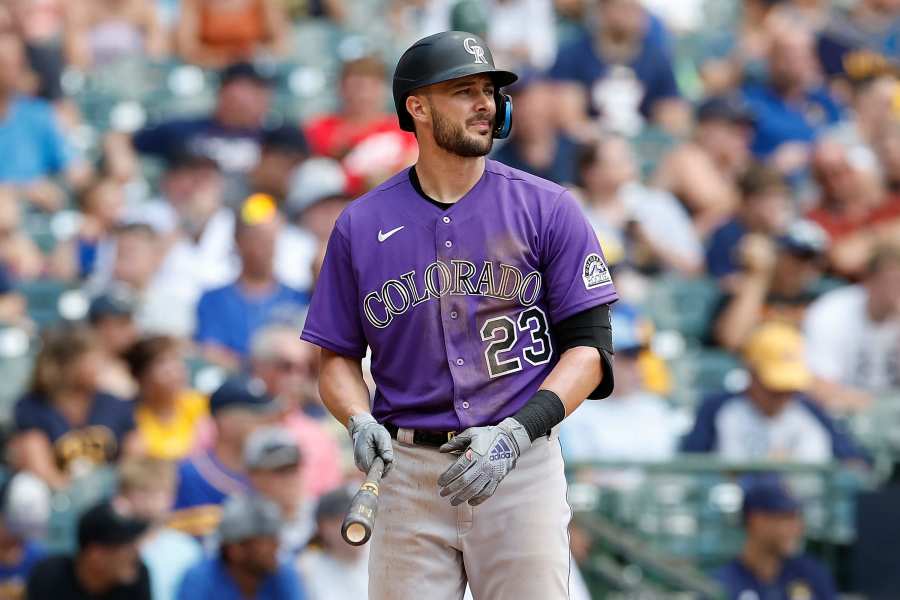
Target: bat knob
{"points": [[356, 534]]}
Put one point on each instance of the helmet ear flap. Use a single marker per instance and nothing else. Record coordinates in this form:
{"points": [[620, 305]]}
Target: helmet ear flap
{"points": [[503, 118]]}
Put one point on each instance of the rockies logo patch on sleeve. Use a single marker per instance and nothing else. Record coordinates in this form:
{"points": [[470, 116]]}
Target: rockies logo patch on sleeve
{"points": [[595, 272]]}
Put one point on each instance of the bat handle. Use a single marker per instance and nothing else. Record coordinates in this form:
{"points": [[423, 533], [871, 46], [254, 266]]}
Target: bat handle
{"points": [[357, 526]]}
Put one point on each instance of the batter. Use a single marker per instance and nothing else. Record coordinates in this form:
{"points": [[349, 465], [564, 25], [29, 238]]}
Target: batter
{"points": [[483, 294]]}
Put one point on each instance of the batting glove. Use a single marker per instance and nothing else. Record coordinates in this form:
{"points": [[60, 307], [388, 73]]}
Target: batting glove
{"points": [[488, 454], [370, 439]]}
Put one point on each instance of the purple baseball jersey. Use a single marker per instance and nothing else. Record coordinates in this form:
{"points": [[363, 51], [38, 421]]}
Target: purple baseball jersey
{"points": [[457, 305]]}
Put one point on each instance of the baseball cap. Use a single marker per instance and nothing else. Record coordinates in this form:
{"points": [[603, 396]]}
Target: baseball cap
{"points": [[105, 525], [26, 505], [257, 209], [271, 449], [725, 108], [334, 504], [313, 180], [769, 495], [242, 391], [244, 70], [775, 354], [248, 516], [288, 138], [805, 238], [185, 157], [112, 303]]}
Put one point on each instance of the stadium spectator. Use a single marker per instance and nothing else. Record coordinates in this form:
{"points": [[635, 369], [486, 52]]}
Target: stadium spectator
{"points": [[111, 318], [105, 566], [246, 564], [31, 141], [853, 208], [18, 252], [703, 171], [228, 316], [779, 279], [764, 209], [537, 144], [102, 207], [41, 25], [620, 74], [64, 426], [887, 148], [853, 335], [771, 563], [316, 196], [873, 108], [231, 135], [238, 407], [214, 33], [647, 226], [773, 419], [24, 519], [282, 149], [169, 415], [287, 365], [147, 485], [520, 33], [275, 466], [100, 32], [858, 36], [13, 306], [365, 137], [333, 569], [792, 107], [632, 424]]}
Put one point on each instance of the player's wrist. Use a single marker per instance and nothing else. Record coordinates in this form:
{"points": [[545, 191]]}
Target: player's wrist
{"points": [[543, 411]]}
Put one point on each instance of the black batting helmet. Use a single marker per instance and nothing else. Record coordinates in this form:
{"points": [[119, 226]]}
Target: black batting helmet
{"points": [[445, 56]]}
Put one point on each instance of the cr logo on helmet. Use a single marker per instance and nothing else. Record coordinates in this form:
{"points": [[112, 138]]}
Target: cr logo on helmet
{"points": [[472, 47]]}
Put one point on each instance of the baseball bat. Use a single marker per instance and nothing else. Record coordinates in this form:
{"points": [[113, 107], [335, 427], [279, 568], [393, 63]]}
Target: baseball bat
{"points": [[357, 526]]}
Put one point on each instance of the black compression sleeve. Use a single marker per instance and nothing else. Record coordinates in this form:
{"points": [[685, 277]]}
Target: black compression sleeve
{"points": [[541, 413], [590, 328]]}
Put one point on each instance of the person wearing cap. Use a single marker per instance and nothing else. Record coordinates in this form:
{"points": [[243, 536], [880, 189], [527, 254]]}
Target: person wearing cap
{"points": [[111, 317], [276, 469], [361, 134], [230, 135], [771, 564], [213, 33], [170, 416], [333, 569], [780, 277], [24, 518], [228, 316], [316, 196], [649, 225], [774, 418], [764, 208], [634, 423], [618, 75], [703, 171], [282, 149], [238, 407], [537, 144], [853, 336], [246, 564], [105, 566], [147, 487]]}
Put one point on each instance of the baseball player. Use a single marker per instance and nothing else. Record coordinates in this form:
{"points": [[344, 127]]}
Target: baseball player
{"points": [[483, 294]]}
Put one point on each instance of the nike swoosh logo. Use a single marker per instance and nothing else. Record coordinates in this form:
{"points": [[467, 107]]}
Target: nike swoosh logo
{"points": [[384, 236]]}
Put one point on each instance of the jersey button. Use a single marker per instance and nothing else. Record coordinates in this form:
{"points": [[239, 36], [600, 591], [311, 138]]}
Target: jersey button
{"points": [[448, 243], [465, 405], [460, 362], [446, 219], [453, 314]]}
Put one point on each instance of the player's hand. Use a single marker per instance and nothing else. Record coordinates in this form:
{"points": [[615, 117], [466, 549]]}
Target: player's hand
{"points": [[370, 439], [488, 454]]}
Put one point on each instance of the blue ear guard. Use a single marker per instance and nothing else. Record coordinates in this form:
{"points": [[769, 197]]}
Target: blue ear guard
{"points": [[504, 116]]}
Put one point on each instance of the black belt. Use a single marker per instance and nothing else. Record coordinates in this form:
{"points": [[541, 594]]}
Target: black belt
{"points": [[419, 436]]}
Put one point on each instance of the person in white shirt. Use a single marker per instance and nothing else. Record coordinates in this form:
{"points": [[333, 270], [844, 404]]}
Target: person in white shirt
{"points": [[853, 336]]}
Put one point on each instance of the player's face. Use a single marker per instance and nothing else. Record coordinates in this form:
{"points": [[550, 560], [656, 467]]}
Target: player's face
{"points": [[462, 115]]}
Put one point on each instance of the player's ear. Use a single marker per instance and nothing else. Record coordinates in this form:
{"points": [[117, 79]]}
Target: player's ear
{"points": [[418, 108]]}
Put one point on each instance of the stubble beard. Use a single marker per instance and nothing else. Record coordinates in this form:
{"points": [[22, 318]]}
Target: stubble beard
{"points": [[453, 138]]}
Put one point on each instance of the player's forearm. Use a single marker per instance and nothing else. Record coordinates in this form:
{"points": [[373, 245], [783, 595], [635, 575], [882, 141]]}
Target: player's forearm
{"points": [[342, 387], [578, 373]]}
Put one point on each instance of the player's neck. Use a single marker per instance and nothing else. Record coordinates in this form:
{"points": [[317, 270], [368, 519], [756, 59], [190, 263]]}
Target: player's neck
{"points": [[447, 177]]}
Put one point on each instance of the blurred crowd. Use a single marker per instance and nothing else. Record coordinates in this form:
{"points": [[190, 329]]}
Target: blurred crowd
{"points": [[740, 161]]}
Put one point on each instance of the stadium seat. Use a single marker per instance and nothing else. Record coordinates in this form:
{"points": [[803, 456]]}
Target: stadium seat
{"points": [[683, 305]]}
